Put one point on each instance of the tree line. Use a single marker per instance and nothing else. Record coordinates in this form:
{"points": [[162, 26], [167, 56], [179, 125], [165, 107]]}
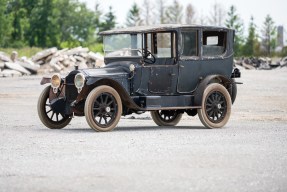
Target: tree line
{"points": [[47, 23], [69, 23], [256, 43]]}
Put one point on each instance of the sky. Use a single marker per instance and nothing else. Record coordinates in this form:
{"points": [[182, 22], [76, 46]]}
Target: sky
{"points": [[246, 8]]}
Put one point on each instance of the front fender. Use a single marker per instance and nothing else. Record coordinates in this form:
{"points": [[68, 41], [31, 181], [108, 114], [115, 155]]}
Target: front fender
{"points": [[122, 86], [45, 80]]}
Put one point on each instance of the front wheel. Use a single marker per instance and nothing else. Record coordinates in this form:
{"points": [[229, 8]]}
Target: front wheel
{"points": [[103, 108], [216, 106], [166, 117], [50, 118]]}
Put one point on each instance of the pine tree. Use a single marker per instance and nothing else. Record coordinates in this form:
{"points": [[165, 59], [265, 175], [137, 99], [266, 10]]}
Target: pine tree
{"points": [[133, 17], [233, 21], [174, 13], [268, 35], [248, 49], [109, 20]]}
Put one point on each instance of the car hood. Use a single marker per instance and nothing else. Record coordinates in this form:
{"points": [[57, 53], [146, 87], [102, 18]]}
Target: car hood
{"points": [[112, 69]]}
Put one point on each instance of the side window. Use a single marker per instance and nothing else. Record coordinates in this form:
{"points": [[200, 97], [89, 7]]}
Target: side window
{"points": [[189, 43], [162, 45], [214, 43]]}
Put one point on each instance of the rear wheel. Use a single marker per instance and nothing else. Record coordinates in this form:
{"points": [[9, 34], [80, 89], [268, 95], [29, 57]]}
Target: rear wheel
{"points": [[49, 117], [166, 117], [103, 108], [216, 106]]}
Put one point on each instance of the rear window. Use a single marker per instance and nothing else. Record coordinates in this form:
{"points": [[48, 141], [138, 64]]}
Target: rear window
{"points": [[189, 43], [214, 43]]}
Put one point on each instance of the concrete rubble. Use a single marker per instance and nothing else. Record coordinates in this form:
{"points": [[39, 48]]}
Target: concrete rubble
{"points": [[49, 61], [260, 63]]}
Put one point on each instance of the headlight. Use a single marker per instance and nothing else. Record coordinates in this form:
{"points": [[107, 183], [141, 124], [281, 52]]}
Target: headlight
{"points": [[55, 82], [79, 81]]}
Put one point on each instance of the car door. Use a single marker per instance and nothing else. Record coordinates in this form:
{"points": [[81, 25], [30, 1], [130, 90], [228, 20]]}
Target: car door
{"points": [[189, 63], [163, 72]]}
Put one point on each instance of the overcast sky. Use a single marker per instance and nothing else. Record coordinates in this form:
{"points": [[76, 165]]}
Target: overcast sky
{"points": [[246, 8]]}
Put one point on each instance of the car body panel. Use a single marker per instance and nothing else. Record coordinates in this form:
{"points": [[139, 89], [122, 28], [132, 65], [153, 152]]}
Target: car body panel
{"points": [[174, 82]]}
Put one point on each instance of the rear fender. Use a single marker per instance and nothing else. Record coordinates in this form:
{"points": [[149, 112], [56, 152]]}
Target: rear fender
{"points": [[225, 81]]}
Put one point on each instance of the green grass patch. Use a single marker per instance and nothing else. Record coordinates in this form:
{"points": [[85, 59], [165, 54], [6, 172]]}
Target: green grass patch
{"points": [[25, 51]]}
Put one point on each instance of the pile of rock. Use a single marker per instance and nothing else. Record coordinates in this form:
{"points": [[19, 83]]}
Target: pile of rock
{"points": [[49, 61], [261, 63]]}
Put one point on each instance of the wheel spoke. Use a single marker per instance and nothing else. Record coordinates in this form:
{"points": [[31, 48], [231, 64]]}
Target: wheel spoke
{"points": [[209, 100], [57, 114], [106, 99], [102, 99], [106, 121], [208, 109], [52, 115], [210, 113], [110, 102], [101, 117]]}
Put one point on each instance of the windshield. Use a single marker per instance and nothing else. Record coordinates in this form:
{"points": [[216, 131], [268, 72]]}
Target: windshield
{"points": [[123, 45]]}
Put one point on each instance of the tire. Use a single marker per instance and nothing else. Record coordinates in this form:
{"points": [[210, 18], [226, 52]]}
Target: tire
{"points": [[47, 115], [166, 117], [216, 106], [103, 108]]}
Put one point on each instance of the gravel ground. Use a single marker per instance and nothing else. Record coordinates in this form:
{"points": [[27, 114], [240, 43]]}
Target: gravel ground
{"points": [[249, 154]]}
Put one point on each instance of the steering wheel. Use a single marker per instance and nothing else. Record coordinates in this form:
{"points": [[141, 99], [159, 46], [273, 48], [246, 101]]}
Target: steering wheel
{"points": [[147, 53]]}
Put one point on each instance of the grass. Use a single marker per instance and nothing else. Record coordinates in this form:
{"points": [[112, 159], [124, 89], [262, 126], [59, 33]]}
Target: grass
{"points": [[25, 51]]}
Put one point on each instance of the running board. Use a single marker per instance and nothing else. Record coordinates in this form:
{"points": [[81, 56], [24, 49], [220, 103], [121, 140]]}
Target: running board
{"points": [[151, 103]]}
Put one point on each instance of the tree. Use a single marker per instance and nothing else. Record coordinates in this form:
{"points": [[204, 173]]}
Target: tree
{"points": [[268, 35], [217, 15], [133, 17], [249, 46], [44, 29], [109, 20], [147, 13], [233, 21], [174, 13], [189, 14], [161, 7], [5, 24]]}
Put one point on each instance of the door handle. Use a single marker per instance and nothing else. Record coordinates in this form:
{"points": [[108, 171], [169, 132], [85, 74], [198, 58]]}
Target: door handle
{"points": [[182, 66], [172, 74]]}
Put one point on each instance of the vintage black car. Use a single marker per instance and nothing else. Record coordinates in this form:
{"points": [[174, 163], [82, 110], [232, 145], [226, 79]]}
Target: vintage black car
{"points": [[165, 69]]}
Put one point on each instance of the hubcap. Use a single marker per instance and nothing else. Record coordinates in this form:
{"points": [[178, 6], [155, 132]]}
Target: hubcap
{"points": [[219, 106], [108, 109]]}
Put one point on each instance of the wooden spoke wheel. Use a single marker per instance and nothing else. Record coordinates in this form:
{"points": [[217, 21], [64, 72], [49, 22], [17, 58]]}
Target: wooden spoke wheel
{"points": [[50, 118], [216, 106], [166, 117], [103, 108]]}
